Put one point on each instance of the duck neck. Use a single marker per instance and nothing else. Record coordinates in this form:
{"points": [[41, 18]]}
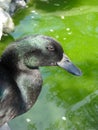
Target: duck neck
{"points": [[9, 60], [29, 81]]}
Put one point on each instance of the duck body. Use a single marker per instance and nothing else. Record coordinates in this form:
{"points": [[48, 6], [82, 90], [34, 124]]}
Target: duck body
{"points": [[11, 102], [20, 78], [19, 88], [15, 97]]}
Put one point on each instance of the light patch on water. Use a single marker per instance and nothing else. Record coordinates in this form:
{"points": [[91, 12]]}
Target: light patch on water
{"points": [[45, 1], [57, 36], [32, 17], [68, 29], [28, 120], [64, 118], [33, 11], [62, 17], [69, 33], [51, 30], [56, 4], [27, 6], [34, 14], [35, 24], [64, 38]]}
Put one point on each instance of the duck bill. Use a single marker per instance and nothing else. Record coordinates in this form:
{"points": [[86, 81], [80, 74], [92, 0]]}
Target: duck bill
{"points": [[66, 64]]}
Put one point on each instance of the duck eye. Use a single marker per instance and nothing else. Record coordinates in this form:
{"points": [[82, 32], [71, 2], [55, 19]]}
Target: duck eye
{"points": [[50, 48]]}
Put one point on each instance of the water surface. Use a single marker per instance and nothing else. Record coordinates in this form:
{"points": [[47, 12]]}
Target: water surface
{"points": [[66, 102]]}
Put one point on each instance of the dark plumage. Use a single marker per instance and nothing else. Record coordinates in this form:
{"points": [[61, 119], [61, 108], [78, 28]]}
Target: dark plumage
{"points": [[20, 78]]}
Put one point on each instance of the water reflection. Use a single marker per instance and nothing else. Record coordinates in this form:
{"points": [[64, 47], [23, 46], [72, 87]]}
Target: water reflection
{"points": [[83, 115]]}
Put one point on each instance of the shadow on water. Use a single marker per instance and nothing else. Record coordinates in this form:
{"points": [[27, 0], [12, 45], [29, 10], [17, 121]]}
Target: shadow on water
{"points": [[54, 5], [57, 5]]}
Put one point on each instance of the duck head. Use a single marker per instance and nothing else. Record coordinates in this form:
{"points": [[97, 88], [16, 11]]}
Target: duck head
{"points": [[21, 78], [38, 50]]}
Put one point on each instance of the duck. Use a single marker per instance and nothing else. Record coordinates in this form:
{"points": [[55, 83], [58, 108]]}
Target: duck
{"points": [[20, 78]]}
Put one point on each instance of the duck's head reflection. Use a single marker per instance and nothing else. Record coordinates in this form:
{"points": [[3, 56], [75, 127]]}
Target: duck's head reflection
{"points": [[20, 78]]}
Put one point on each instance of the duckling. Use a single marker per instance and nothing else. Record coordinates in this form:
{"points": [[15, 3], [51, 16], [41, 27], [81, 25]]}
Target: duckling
{"points": [[20, 77]]}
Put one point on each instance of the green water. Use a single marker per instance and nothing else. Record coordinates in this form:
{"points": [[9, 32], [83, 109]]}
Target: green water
{"points": [[66, 102]]}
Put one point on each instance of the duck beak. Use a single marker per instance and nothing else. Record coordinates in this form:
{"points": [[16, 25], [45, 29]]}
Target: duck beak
{"points": [[66, 64]]}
